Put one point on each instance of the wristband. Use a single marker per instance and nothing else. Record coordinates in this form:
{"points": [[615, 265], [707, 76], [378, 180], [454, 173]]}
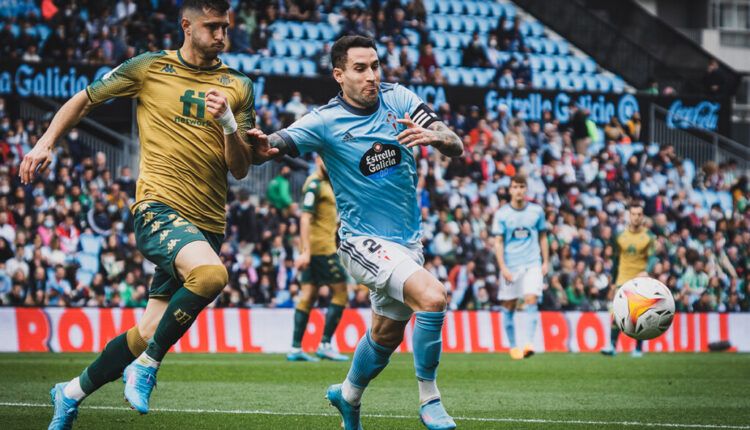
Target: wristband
{"points": [[227, 121]]}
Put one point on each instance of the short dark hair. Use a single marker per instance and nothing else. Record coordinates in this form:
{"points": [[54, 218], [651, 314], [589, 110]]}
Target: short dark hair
{"points": [[635, 204], [519, 179], [341, 48], [220, 6]]}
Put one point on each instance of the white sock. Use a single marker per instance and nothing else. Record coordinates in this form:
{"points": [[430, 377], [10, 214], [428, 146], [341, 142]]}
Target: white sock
{"points": [[296, 350], [73, 390], [352, 394], [145, 360], [428, 390]]}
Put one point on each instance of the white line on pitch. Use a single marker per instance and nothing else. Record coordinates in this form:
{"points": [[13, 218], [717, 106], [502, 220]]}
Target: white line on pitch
{"points": [[479, 419]]}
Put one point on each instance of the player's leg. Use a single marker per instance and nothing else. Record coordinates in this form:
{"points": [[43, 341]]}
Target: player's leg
{"points": [[508, 295], [614, 331], [532, 284], [308, 294], [107, 367], [334, 276], [638, 351]]}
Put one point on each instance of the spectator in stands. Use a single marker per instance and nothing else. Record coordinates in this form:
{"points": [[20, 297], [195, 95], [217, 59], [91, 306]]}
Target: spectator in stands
{"points": [[474, 54], [323, 60], [653, 87], [279, 193], [613, 131], [506, 79], [427, 61], [260, 38], [714, 82], [580, 135], [296, 106], [633, 127]]}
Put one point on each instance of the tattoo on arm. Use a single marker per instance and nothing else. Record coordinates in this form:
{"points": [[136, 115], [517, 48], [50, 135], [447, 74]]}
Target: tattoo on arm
{"points": [[276, 141], [447, 142]]}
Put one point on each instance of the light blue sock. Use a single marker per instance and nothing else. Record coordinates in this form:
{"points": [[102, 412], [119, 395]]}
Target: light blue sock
{"points": [[533, 312], [368, 361], [510, 327], [427, 343]]}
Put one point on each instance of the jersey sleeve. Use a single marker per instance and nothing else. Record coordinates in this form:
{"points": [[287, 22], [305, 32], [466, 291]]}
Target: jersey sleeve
{"points": [[408, 102], [124, 80], [307, 134], [541, 223], [310, 196], [244, 114], [498, 228]]}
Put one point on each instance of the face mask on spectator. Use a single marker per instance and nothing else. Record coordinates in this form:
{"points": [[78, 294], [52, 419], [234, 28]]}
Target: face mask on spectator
{"points": [[112, 209], [5, 189], [73, 135], [49, 223], [119, 226], [296, 99]]}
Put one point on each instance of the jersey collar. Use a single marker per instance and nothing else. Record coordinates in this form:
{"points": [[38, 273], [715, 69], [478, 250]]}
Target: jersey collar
{"points": [[193, 66], [355, 110]]}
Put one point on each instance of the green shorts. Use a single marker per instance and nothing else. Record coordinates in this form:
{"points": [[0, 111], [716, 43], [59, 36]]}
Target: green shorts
{"points": [[323, 270], [160, 233]]}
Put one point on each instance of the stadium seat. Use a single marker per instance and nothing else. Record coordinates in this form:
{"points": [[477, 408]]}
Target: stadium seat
{"points": [[90, 244], [563, 81], [293, 67], [280, 30], [562, 64], [454, 42], [710, 198], [457, 7], [278, 47], [562, 47], [413, 53], [266, 65], [88, 262], [537, 29], [439, 40], [592, 84], [441, 57], [535, 44], [550, 81], [535, 62], [311, 48], [278, 66], [509, 10], [441, 23], [294, 48], [536, 80], [443, 6], [326, 31], [470, 7], [605, 84], [483, 8], [381, 49], [455, 24], [413, 36], [308, 67], [467, 76], [549, 63], [689, 168], [483, 76], [548, 46], [575, 64], [525, 29], [429, 5], [296, 30], [618, 84], [576, 82], [466, 39], [496, 9], [312, 31], [84, 277], [231, 61], [455, 56], [483, 25], [589, 66], [452, 76], [469, 24]]}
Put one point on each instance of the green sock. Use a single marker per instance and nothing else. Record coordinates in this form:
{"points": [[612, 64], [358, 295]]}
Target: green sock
{"points": [[614, 333], [108, 366], [183, 309], [300, 324], [333, 317]]}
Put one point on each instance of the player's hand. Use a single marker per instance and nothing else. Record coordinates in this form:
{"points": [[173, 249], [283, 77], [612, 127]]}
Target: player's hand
{"points": [[303, 260], [506, 274], [216, 103], [545, 269], [36, 161], [414, 134], [262, 150]]}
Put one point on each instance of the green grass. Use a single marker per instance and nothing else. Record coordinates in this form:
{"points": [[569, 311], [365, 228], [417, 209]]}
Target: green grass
{"points": [[563, 390]]}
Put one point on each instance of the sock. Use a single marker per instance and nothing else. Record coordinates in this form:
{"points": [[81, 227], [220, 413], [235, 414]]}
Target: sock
{"points": [[73, 390], [428, 391], [614, 333], [510, 327], [533, 312], [108, 366], [333, 317], [351, 393], [145, 360], [639, 345], [300, 324], [369, 360], [427, 342], [183, 308]]}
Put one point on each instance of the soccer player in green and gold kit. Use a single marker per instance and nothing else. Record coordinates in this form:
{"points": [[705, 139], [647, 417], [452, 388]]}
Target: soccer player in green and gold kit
{"points": [[190, 139], [633, 248], [319, 264]]}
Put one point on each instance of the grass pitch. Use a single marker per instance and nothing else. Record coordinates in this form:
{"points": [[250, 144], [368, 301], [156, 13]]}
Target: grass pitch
{"points": [[482, 391]]}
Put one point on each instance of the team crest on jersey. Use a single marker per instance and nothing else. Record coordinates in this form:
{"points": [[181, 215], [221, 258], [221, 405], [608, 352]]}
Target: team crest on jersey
{"points": [[380, 160], [392, 119], [225, 80]]}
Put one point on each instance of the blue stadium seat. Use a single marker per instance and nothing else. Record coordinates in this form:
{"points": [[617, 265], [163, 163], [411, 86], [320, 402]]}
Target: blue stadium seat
{"points": [[454, 42], [441, 57], [293, 67], [278, 66], [439, 39], [90, 244], [562, 47], [308, 67], [549, 63], [295, 48], [525, 29], [470, 7], [535, 44], [266, 65], [549, 46], [457, 7], [535, 62], [563, 81], [456, 24], [576, 82], [466, 39], [592, 84], [296, 30], [312, 31], [278, 47], [537, 29], [618, 84], [413, 36], [326, 31], [550, 81], [605, 84], [504, 57], [312, 48], [483, 24], [710, 198], [483, 77], [496, 9], [589, 65], [443, 6], [575, 64], [467, 76], [483, 8], [249, 62], [469, 23], [413, 53], [280, 30], [536, 80], [84, 277], [429, 5], [455, 56], [441, 22], [231, 60], [381, 49], [509, 10], [452, 76], [43, 31], [562, 64], [688, 166]]}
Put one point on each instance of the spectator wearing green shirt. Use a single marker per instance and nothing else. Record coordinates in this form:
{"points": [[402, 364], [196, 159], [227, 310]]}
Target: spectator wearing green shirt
{"points": [[278, 192]]}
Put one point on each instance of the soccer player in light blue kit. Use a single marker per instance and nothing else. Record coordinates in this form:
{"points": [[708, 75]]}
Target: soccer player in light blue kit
{"points": [[522, 253], [365, 136]]}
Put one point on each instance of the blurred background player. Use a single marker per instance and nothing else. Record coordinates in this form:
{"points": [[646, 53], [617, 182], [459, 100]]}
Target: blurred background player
{"points": [[523, 256], [319, 264], [633, 249], [365, 136], [190, 140]]}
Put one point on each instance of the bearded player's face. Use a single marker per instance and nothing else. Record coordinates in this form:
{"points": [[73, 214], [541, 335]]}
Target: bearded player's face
{"points": [[208, 31], [360, 79]]}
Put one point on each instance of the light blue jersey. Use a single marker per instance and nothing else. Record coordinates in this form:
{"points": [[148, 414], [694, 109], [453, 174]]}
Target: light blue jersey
{"points": [[520, 230], [374, 178]]}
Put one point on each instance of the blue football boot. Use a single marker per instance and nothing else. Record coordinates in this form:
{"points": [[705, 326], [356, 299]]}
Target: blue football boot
{"points": [[434, 417], [66, 410], [139, 382], [349, 413]]}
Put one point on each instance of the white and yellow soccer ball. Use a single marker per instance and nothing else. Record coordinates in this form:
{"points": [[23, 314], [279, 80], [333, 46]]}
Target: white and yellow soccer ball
{"points": [[643, 308]]}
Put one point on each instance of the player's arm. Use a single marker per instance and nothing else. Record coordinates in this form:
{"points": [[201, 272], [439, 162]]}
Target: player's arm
{"points": [[436, 134], [304, 240], [544, 246], [266, 147], [66, 118], [306, 135], [500, 255], [237, 153]]}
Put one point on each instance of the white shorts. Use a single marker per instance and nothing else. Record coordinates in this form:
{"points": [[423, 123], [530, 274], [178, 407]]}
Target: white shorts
{"points": [[527, 281], [383, 267]]}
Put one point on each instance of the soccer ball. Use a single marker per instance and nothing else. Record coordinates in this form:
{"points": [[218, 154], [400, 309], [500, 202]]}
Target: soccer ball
{"points": [[643, 308]]}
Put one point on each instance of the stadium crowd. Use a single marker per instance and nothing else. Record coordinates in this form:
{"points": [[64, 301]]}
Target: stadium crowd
{"points": [[108, 32], [67, 240]]}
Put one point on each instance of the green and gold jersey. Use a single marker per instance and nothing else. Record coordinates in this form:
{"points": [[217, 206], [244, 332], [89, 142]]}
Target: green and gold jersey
{"points": [[182, 147], [318, 199], [633, 250]]}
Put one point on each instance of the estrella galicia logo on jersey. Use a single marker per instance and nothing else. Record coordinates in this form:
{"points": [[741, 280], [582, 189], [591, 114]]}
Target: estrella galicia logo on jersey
{"points": [[521, 233], [380, 160]]}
